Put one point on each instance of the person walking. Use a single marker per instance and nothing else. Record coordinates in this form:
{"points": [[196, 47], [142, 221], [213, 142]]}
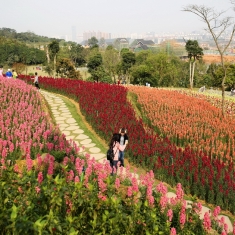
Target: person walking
{"points": [[14, 73], [36, 81], [1, 72], [123, 140], [9, 73], [114, 143]]}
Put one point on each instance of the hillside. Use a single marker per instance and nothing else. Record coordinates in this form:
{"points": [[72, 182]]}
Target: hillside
{"points": [[26, 37], [216, 59]]}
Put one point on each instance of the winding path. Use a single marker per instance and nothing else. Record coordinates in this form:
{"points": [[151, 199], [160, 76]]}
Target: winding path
{"points": [[70, 128]]}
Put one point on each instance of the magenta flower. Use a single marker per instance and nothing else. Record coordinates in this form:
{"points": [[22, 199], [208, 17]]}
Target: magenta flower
{"points": [[216, 211], [170, 214], [207, 221], [161, 188], [179, 192], [173, 231], [182, 216], [117, 183], [40, 177], [37, 189], [129, 191], [76, 179], [29, 162]]}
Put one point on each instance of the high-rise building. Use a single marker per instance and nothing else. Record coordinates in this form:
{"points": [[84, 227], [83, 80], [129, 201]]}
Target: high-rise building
{"points": [[74, 34], [98, 35]]}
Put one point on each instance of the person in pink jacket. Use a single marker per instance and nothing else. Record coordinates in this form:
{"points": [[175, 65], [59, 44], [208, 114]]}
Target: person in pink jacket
{"points": [[116, 148]]}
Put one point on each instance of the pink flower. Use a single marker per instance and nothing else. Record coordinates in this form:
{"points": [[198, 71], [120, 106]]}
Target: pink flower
{"points": [[216, 211], [20, 190], [234, 228], [70, 175], [40, 177], [76, 179], [163, 202], [179, 192], [117, 183], [173, 231], [170, 214], [161, 188], [182, 216], [37, 189], [102, 197], [135, 187], [129, 191], [51, 165], [207, 221], [226, 228], [29, 162]]}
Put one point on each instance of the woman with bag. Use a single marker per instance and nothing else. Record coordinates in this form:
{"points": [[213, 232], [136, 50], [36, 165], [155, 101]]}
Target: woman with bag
{"points": [[115, 145], [36, 81]]}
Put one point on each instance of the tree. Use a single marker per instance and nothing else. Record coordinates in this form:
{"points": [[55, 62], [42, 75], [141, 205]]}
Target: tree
{"points": [[128, 60], [18, 67], [142, 56], [158, 63], [195, 52], [53, 51], [216, 27], [110, 61], [76, 54], [94, 64], [141, 74], [65, 68], [102, 43], [93, 42]]}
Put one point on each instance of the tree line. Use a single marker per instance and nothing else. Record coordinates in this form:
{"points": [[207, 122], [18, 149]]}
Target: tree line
{"points": [[161, 68]]}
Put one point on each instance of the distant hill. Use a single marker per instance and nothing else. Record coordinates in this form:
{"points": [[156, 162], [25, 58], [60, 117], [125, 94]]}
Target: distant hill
{"points": [[26, 37]]}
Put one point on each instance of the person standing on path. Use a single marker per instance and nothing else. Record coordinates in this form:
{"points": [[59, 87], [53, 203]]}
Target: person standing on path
{"points": [[36, 81], [1, 72], [123, 140], [114, 143], [9, 73], [14, 73]]}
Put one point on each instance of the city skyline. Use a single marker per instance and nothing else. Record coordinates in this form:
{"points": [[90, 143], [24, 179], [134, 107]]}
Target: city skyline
{"points": [[74, 17]]}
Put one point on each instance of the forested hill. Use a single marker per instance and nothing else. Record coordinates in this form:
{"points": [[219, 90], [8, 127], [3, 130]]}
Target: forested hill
{"points": [[26, 37]]}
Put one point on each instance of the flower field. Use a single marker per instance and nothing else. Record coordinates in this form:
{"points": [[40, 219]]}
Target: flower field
{"points": [[46, 188], [189, 145]]}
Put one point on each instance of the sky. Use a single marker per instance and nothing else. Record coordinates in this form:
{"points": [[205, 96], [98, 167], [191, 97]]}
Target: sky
{"points": [[57, 17]]}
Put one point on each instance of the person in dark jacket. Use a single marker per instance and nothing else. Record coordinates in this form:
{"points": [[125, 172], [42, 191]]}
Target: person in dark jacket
{"points": [[117, 148], [123, 140]]}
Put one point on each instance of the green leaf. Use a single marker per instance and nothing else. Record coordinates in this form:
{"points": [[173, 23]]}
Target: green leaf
{"points": [[72, 232], [6, 200], [57, 179], [14, 212]]}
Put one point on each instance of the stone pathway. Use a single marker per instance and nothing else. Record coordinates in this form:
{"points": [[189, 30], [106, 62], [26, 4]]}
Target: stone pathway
{"points": [[70, 128]]}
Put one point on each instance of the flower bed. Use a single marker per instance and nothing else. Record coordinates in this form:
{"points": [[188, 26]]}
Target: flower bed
{"points": [[25, 130], [72, 195], [107, 109]]}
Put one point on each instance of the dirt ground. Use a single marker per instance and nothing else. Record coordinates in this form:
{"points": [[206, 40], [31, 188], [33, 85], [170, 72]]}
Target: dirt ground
{"points": [[216, 58]]}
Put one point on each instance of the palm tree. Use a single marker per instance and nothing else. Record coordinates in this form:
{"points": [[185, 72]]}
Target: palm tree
{"points": [[54, 49], [195, 52]]}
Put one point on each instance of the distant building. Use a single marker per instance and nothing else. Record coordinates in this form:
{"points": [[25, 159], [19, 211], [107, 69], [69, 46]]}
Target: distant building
{"points": [[98, 35], [74, 34], [120, 43], [141, 44]]}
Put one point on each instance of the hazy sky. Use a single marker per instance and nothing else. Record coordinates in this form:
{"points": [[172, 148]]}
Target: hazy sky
{"points": [[56, 17]]}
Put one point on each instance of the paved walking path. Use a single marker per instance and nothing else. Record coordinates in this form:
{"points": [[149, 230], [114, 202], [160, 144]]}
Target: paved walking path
{"points": [[70, 128]]}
